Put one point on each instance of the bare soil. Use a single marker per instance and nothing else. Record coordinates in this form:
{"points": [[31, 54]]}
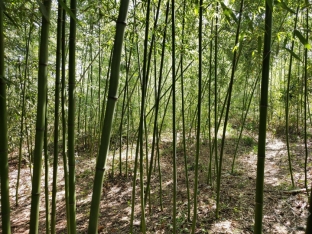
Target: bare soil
{"points": [[285, 208]]}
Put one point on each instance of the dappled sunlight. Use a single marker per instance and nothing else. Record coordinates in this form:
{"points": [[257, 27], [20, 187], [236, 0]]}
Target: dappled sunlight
{"points": [[226, 226], [281, 211]]}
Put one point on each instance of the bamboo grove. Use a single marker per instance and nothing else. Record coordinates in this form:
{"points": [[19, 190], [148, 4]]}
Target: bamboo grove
{"points": [[119, 77]]}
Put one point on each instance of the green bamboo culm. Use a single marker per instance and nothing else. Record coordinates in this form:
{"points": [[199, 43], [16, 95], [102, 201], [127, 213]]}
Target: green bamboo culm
{"points": [[306, 105], [149, 173], [142, 124], [287, 101], [216, 90], [209, 178], [56, 117], [40, 122], [244, 119], [23, 120], [63, 118], [174, 136], [4, 168], [200, 59], [227, 102], [108, 119], [71, 120], [46, 173], [263, 118], [309, 221], [183, 115]]}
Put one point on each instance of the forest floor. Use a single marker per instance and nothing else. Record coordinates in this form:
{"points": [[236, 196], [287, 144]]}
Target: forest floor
{"points": [[285, 208]]}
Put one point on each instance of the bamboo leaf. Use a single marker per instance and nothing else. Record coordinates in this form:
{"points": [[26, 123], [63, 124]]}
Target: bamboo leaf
{"points": [[228, 12], [284, 6], [6, 80], [306, 4], [2, 6], [196, 10], [285, 42], [68, 11], [43, 11], [293, 54], [277, 48], [259, 44], [11, 19], [250, 22], [302, 39]]}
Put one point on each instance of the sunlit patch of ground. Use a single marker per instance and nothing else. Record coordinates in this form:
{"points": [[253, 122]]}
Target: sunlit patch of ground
{"points": [[284, 212]]}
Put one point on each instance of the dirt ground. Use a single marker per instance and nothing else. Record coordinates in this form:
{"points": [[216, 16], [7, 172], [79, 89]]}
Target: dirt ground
{"points": [[285, 208]]}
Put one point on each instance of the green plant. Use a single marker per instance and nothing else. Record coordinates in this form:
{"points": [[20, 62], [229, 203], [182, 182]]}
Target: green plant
{"points": [[248, 141], [255, 149]]}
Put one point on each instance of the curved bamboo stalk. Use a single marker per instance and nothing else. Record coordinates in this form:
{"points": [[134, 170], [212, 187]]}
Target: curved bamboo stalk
{"points": [[244, 120], [149, 174], [109, 116], [234, 64]]}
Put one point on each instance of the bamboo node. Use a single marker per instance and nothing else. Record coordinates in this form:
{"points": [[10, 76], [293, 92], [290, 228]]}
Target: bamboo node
{"points": [[100, 168], [43, 64], [113, 97], [266, 106], [121, 22]]}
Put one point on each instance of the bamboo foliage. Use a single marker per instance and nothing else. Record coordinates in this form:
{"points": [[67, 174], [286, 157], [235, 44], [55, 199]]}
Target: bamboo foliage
{"points": [[185, 99]]}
